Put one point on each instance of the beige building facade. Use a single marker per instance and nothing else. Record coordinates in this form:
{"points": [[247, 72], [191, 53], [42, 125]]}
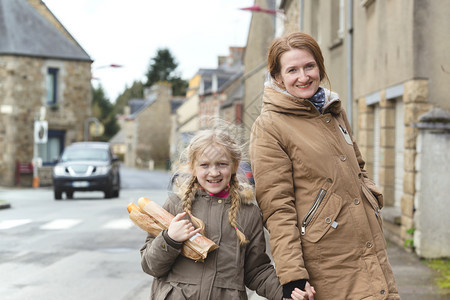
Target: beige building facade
{"points": [[389, 62]]}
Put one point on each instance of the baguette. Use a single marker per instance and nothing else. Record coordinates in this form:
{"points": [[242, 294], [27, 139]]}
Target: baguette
{"points": [[152, 218]]}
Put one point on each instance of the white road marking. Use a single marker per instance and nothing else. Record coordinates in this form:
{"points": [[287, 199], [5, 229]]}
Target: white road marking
{"points": [[61, 224], [13, 223], [118, 224]]}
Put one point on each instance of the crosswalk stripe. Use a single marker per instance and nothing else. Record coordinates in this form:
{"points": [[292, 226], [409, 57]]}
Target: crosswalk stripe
{"points": [[118, 224], [6, 224], [61, 224]]}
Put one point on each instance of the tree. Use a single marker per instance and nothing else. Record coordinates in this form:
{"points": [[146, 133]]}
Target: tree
{"points": [[163, 68], [135, 91], [103, 110]]}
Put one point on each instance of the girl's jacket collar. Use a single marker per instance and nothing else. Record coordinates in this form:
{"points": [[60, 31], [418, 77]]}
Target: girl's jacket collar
{"points": [[246, 195], [279, 100]]}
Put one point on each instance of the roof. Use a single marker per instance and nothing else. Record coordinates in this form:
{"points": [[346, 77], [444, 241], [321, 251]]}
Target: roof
{"points": [[118, 138], [138, 105], [175, 103], [25, 32]]}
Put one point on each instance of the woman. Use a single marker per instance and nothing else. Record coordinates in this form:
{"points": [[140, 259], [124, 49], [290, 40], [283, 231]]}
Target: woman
{"points": [[320, 207]]}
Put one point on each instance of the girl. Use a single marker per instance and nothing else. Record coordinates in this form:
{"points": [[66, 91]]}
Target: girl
{"points": [[220, 205]]}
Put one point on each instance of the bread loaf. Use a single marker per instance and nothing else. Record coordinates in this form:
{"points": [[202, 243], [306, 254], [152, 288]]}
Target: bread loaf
{"points": [[152, 218]]}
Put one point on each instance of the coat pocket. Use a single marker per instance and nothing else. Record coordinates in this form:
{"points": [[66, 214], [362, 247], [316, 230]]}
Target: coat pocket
{"points": [[374, 203], [162, 291], [321, 217]]}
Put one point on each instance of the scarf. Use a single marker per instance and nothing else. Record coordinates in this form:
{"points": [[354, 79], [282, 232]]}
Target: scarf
{"points": [[318, 99]]}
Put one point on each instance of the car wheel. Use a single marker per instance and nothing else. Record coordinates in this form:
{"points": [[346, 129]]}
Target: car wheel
{"points": [[108, 194], [69, 195], [116, 193], [58, 194]]}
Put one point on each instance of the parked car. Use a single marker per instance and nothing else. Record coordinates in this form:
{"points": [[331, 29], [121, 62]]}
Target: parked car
{"points": [[246, 169], [87, 166]]}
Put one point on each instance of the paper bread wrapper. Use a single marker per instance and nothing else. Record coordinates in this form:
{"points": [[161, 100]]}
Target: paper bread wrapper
{"points": [[152, 218]]}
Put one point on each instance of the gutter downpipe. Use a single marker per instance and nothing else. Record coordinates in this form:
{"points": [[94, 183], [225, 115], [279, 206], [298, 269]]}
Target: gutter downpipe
{"points": [[301, 14], [350, 62]]}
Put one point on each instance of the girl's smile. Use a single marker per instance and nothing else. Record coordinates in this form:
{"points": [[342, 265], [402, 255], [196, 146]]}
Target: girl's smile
{"points": [[213, 169]]}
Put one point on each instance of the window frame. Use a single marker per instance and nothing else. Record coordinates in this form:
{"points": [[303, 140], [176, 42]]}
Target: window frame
{"points": [[52, 79]]}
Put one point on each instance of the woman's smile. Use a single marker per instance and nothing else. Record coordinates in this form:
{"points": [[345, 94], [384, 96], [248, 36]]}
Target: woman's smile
{"points": [[299, 73]]}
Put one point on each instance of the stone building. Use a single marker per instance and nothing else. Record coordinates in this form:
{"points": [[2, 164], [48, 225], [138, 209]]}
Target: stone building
{"points": [[44, 74], [221, 85], [390, 63], [260, 35], [148, 128]]}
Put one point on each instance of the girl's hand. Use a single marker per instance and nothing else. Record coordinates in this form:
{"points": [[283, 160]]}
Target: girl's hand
{"points": [[298, 294], [181, 230], [308, 294]]}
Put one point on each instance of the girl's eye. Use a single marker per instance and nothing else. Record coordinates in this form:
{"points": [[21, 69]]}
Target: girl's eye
{"points": [[204, 165], [223, 164]]}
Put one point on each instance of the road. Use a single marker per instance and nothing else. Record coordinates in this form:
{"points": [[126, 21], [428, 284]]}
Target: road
{"points": [[84, 248]]}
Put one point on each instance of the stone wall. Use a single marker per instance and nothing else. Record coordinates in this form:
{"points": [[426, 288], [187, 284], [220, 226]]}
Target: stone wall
{"points": [[431, 199], [153, 129], [23, 93]]}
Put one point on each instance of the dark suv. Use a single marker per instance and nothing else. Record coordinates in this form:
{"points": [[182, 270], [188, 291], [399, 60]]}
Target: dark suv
{"points": [[87, 166]]}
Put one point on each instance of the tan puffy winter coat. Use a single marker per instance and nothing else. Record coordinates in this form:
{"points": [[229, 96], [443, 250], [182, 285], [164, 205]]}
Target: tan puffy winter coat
{"points": [[226, 271], [320, 207]]}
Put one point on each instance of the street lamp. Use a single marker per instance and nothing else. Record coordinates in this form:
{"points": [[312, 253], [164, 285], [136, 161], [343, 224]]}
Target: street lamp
{"points": [[108, 66], [104, 67]]}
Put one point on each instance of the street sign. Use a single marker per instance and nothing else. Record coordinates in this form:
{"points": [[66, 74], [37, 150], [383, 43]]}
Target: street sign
{"points": [[40, 132], [96, 129]]}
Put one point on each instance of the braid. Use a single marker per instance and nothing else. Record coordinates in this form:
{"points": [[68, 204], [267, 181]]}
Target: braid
{"points": [[188, 196], [235, 203]]}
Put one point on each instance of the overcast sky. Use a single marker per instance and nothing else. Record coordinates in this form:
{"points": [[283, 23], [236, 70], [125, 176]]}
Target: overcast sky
{"points": [[129, 33]]}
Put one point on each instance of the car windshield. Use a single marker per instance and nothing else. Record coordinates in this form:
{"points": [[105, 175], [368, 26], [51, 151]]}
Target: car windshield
{"points": [[85, 154]]}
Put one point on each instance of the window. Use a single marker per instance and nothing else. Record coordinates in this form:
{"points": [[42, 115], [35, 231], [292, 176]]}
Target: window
{"points": [[376, 144], [50, 151], [399, 151], [337, 21], [52, 86]]}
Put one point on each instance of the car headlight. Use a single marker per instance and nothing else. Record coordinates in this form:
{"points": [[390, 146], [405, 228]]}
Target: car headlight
{"points": [[59, 170], [101, 170]]}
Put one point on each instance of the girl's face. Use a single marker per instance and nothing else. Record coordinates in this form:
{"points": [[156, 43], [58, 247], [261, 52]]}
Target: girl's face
{"points": [[213, 169], [299, 73]]}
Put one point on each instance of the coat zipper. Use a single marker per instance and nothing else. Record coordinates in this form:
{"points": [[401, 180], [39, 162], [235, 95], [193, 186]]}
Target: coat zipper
{"points": [[313, 210]]}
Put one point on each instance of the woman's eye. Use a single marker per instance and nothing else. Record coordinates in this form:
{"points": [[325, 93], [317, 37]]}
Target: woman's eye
{"points": [[310, 67], [291, 70]]}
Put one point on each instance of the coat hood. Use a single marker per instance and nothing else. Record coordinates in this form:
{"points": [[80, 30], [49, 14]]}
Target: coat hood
{"points": [[279, 100]]}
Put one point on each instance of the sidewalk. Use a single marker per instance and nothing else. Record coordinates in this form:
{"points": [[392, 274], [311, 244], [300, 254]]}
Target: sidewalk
{"points": [[415, 281]]}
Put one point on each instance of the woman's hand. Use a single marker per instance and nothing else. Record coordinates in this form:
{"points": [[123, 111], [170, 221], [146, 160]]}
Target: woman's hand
{"points": [[181, 230]]}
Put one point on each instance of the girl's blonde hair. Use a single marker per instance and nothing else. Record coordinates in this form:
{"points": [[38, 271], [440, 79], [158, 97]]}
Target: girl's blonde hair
{"points": [[186, 182]]}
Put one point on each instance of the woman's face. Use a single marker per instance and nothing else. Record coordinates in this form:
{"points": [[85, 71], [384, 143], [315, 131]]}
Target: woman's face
{"points": [[299, 73], [213, 169]]}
